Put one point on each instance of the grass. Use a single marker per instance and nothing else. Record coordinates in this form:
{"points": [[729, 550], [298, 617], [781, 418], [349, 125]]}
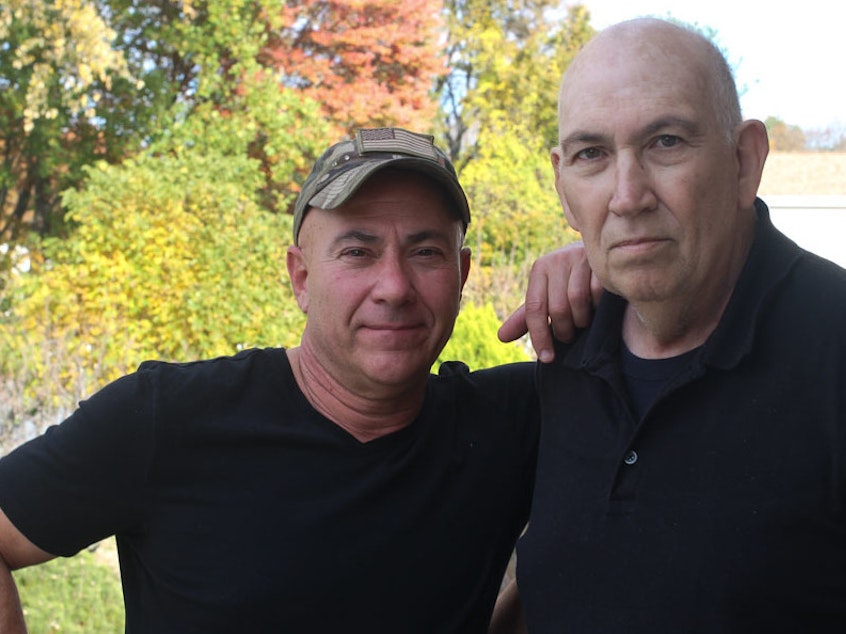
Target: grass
{"points": [[78, 595]]}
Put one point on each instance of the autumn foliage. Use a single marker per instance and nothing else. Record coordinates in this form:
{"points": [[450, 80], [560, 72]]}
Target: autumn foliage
{"points": [[151, 152], [367, 63]]}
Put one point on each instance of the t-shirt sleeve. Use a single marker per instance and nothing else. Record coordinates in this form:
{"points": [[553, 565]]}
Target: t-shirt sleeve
{"points": [[86, 478]]}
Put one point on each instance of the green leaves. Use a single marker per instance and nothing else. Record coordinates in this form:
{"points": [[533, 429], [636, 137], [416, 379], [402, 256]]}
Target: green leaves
{"points": [[475, 343], [151, 153], [171, 258]]}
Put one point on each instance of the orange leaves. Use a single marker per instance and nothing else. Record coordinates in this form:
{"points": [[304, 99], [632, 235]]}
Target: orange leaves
{"points": [[367, 63]]}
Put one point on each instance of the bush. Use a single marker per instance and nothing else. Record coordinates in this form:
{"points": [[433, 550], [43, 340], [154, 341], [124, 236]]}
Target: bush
{"points": [[474, 341]]}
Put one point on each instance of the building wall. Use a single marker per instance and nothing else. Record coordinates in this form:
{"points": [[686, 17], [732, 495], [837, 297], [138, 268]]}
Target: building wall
{"points": [[816, 223]]}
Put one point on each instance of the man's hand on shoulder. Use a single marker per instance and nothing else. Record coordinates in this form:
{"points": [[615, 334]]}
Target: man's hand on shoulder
{"points": [[560, 297]]}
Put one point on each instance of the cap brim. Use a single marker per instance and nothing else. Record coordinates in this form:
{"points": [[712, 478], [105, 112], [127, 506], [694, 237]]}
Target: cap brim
{"points": [[342, 187]]}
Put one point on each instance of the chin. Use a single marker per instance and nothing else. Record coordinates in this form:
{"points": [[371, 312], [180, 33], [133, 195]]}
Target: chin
{"points": [[643, 288], [394, 371]]}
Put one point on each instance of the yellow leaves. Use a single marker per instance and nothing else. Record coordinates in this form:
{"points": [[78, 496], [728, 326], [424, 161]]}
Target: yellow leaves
{"points": [[170, 258], [71, 45]]}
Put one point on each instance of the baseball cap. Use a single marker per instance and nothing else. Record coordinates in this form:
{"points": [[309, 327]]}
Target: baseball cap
{"points": [[345, 167]]}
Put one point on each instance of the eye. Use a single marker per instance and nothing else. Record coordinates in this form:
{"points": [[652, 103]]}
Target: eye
{"points": [[668, 140], [427, 252], [354, 252], [589, 154]]}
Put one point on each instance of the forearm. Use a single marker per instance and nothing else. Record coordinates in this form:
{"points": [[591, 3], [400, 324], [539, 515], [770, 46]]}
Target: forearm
{"points": [[16, 551], [11, 614], [508, 613]]}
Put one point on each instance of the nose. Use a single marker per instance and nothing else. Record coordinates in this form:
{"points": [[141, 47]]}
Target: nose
{"points": [[394, 283], [633, 192]]}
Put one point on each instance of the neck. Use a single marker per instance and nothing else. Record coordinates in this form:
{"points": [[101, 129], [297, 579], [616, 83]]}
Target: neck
{"points": [[365, 414], [658, 331], [670, 327]]}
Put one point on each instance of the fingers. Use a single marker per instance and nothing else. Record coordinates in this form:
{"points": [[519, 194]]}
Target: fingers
{"points": [[514, 326], [519, 323], [537, 323], [579, 296], [560, 297], [536, 308]]}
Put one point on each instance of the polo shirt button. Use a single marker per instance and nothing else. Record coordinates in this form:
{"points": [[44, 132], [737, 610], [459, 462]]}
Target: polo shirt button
{"points": [[631, 457]]}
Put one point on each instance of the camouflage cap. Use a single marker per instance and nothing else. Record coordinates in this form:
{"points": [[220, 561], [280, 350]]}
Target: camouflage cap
{"points": [[345, 166]]}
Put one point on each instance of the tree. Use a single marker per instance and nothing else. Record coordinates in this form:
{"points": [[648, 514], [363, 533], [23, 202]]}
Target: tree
{"points": [[171, 258], [499, 122], [784, 137], [829, 139], [369, 63], [516, 216], [506, 60], [88, 80], [56, 65]]}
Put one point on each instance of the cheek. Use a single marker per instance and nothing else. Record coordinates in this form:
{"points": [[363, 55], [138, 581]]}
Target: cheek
{"points": [[442, 294], [588, 222], [330, 295], [584, 202]]}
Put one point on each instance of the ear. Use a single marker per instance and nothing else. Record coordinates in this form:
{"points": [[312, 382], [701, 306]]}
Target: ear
{"points": [[464, 263], [557, 159], [298, 272], [752, 149]]}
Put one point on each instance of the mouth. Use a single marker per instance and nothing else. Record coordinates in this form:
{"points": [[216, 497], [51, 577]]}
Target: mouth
{"points": [[393, 333], [392, 327], [637, 245], [393, 337]]}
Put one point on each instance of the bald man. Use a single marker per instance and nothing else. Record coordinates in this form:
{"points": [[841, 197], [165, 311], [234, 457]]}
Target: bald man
{"points": [[692, 467]]}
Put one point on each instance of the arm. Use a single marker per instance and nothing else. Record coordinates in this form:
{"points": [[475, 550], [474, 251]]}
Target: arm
{"points": [[508, 612], [16, 551], [561, 293]]}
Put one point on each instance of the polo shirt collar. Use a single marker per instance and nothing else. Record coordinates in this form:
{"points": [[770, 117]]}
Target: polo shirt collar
{"points": [[771, 257]]}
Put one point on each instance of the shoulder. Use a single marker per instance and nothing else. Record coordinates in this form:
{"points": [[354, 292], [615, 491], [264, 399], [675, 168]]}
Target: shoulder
{"points": [[497, 406], [241, 361], [815, 289], [225, 372], [507, 388], [781, 271], [510, 376]]}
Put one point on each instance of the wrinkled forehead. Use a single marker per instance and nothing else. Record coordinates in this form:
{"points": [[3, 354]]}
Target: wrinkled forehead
{"points": [[631, 76]]}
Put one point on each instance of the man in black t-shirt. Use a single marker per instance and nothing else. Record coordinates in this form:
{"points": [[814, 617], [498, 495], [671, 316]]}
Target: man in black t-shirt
{"points": [[332, 487]]}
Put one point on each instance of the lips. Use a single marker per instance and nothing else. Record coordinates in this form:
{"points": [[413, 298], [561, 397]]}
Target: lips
{"points": [[635, 241], [637, 245], [392, 334], [392, 327]]}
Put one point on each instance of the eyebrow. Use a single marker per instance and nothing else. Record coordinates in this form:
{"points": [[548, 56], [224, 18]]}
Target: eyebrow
{"points": [[355, 235], [594, 138], [364, 237], [690, 127], [583, 137]]}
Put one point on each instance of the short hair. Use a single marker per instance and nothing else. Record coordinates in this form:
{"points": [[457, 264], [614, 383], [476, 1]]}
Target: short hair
{"points": [[726, 100]]}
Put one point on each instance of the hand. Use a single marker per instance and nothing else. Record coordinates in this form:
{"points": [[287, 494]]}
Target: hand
{"points": [[561, 293]]}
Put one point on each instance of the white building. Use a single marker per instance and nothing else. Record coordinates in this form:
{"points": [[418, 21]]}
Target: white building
{"points": [[806, 194], [815, 223]]}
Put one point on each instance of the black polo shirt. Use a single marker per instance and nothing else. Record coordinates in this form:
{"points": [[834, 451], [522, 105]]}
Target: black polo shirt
{"points": [[722, 509]]}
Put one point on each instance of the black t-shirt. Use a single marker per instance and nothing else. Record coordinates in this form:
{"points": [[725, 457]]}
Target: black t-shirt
{"points": [[645, 379], [239, 508]]}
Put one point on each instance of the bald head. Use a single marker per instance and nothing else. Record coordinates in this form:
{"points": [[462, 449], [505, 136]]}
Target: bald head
{"points": [[660, 50]]}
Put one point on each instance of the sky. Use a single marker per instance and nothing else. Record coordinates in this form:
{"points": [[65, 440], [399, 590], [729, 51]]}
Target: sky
{"points": [[789, 57]]}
